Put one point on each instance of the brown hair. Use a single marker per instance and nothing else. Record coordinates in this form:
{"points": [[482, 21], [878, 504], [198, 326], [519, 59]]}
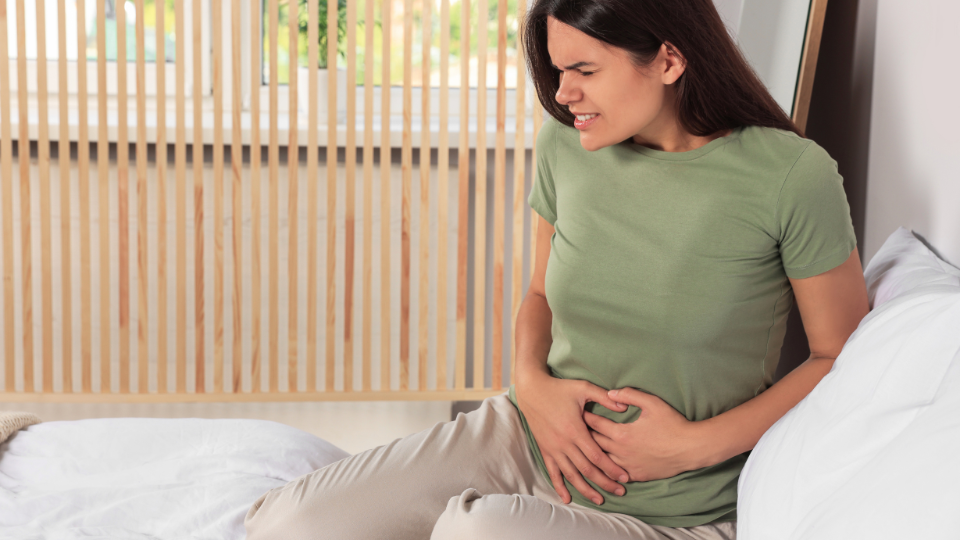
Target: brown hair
{"points": [[718, 89]]}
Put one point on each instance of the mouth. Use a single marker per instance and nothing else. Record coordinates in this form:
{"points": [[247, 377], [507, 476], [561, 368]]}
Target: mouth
{"points": [[584, 124]]}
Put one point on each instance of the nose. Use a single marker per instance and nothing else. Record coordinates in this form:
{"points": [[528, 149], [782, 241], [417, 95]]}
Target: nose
{"points": [[567, 91]]}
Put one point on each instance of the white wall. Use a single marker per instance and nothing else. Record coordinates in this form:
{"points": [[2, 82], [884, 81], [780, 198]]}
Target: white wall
{"points": [[913, 175]]}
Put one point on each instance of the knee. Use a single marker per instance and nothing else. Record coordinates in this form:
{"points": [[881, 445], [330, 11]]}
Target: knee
{"points": [[473, 516]]}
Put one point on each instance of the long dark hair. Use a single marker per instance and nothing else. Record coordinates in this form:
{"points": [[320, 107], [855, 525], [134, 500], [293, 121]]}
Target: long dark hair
{"points": [[718, 89]]}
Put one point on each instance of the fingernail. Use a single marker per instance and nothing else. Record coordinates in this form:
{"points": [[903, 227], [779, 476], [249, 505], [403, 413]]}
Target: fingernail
{"points": [[619, 491], [612, 393], [623, 478], [598, 501]]}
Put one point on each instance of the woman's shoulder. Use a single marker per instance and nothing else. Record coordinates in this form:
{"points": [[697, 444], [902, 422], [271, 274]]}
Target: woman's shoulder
{"points": [[779, 145]]}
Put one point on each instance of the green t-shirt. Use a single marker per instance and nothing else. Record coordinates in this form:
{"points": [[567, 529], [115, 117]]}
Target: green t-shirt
{"points": [[668, 273]]}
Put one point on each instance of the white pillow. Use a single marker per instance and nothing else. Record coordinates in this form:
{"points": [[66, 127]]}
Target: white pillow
{"points": [[874, 450]]}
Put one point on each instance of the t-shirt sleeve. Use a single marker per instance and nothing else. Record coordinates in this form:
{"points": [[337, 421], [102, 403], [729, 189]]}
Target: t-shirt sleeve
{"points": [[816, 231], [543, 195]]}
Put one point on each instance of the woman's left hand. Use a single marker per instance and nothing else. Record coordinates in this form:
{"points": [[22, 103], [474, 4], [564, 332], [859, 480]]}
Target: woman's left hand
{"points": [[661, 443]]}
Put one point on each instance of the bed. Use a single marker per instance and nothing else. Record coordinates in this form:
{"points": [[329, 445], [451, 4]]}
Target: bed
{"points": [[873, 452]]}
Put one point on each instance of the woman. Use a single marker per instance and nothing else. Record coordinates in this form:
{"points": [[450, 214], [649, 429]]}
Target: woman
{"points": [[681, 213]]}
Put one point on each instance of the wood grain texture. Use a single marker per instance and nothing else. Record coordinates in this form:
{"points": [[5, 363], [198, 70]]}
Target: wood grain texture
{"points": [[43, 163], [23, 157], [123, 208], [143, 372], [6, 203], [236, 166], [181, 202], [519, 198], [349, 225], [163, 336], [463, 206], [256, 353], [499, 196], [312, 157], [83, 171], [199, 340], [443, 173], [293, 164], [480, 210], [63, 158], [331, 294], [273, 165], [217, 24], [405, 171], [808, 63], [386, 164], [423, 341], [368, 84]]}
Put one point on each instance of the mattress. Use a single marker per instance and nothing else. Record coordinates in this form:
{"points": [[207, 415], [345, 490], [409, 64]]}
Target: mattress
{"points": [[139, 478]]}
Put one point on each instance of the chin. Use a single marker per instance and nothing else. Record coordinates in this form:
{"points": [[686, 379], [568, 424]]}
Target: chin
{"points": [[590, 144]]}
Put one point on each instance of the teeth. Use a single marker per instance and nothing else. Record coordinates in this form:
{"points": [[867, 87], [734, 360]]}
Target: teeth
{"points": [[584, 117]]}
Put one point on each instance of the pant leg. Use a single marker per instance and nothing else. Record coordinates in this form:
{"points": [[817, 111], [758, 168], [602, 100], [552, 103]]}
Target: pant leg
{"points": [[473, 516], [398, 491]]}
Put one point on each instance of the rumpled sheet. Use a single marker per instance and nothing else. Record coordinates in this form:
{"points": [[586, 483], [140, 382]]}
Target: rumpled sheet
{"points": [[145, 478]]}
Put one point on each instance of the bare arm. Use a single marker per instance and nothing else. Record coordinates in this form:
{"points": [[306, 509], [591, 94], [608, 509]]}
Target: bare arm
{"points": [[831, 305]]}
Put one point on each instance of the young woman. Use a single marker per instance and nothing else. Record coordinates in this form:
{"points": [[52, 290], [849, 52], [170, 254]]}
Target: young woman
{"points": [[681, 214]]}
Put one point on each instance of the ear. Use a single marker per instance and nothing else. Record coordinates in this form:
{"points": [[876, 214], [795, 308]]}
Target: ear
{"points": [[672, 62]]}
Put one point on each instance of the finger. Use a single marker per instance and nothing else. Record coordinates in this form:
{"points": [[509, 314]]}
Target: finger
{"points": [[589, 448], [590, 471], [556, 478], [598, 395], [631, 396], [573, 476], [604, 442], [600, 424]]}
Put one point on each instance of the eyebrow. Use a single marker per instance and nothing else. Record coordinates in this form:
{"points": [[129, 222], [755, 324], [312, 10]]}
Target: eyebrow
{"points": [[578, 64]]}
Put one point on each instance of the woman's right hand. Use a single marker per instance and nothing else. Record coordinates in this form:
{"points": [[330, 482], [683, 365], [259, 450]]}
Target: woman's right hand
{"points": [[553, 409]]}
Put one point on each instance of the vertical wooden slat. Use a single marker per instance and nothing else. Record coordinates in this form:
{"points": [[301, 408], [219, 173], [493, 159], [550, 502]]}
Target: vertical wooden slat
{"points": [[181, 202], [6, 192], [199, 367], [103, 161], [236, 163], [143, 371], [274, 158], [43, 161], [23, 157], [217, 16], [293, 164], [123, 211], [255, 83], [63, 152], [312, 150], [480, 211], [330, 308], [423, 344], [443, 173], [161, 168], [386, 165], [499, 195], [519, 201], [349, 224], [534, 221], [83, 170], [463, 167], [368, 83], [405, 168]]}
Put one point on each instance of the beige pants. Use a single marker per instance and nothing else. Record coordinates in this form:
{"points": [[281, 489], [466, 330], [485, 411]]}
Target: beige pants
{"points": [[472, 478]]}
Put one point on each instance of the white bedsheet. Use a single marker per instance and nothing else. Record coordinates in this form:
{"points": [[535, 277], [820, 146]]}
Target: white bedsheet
{"points": [[139, 478]]}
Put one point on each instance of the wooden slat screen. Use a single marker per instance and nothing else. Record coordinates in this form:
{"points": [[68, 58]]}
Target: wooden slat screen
{"points": [[135, 300]]}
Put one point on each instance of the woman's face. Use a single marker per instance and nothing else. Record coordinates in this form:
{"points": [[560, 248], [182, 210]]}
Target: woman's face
{"points": [[629, 102]]}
